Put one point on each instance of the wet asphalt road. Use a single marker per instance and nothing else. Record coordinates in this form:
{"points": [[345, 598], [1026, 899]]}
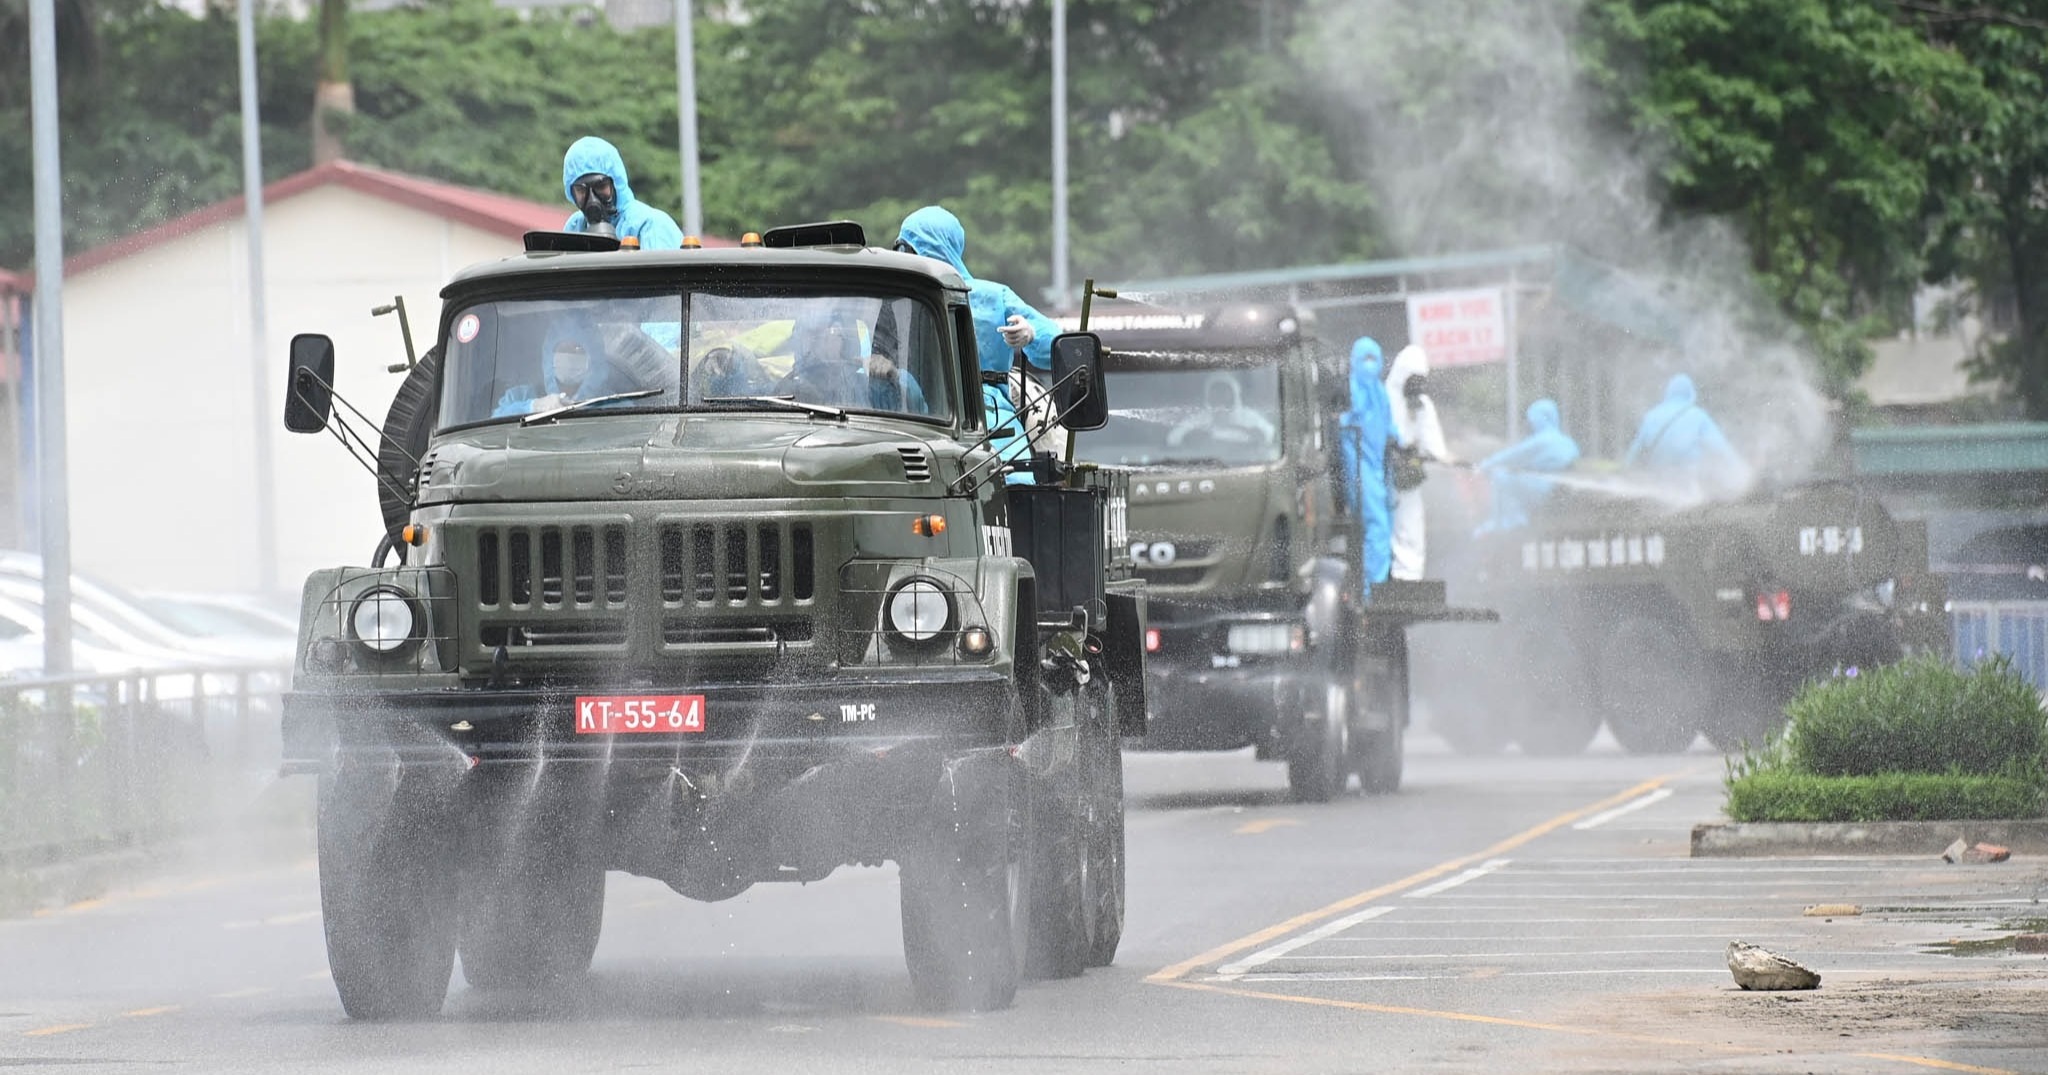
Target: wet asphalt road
{"points": [[1504, 913]]}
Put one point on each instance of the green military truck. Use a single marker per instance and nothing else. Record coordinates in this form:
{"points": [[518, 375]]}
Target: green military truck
{"points": [[700, 567], [1670, 621], [1258, 633]]}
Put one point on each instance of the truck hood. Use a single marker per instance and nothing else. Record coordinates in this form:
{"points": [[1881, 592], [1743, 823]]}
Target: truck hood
{"points": [[1207, 531], [685, 457]]}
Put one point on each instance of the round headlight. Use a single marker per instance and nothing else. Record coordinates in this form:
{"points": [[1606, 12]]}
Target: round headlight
{"points": [[918, 610], [383, 620]]}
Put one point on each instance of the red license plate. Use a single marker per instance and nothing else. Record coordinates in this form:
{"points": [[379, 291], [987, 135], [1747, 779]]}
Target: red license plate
{"points": [[625, 714]]}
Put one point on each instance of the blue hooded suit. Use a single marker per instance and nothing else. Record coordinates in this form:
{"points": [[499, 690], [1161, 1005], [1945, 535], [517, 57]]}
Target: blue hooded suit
{"points": [[1366, 427], [1517, 471], [602, 378], [936, 233], [655, 229], [1681, 444]]}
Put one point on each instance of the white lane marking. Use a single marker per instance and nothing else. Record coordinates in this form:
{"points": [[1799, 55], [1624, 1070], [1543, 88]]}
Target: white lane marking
{"points": [[1472, 874], [1336, 977], [1563, 938], [1575, 953], [1605, 816], [1230, 971], [1518, 923]]}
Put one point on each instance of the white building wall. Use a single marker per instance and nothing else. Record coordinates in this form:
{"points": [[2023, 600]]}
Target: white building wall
{"points": [[160, 385]]}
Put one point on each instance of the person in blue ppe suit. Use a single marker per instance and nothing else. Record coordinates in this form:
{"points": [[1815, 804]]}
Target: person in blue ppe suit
{"points": [[594, 179], [1682, 446], [835, 365], [1366, 425], [1519, 471], [573, 366], [1003, 325]]}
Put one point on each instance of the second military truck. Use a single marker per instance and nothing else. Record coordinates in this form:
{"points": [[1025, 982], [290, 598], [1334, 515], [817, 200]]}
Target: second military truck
{"points": [[1259, 632], [705, 572]]}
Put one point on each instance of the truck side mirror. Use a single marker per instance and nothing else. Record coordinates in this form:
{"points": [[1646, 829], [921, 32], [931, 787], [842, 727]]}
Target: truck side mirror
{"points": [[1078, 391], [309, 384]]}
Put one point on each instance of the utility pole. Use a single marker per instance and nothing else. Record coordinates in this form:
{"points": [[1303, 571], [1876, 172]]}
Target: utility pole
{"points": [[259, 362], [1061, 284], [55, 510], [686, 117]]}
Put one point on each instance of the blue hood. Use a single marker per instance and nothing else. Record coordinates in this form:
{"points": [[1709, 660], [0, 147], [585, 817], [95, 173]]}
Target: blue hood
{"points": [[1544, 417], [1366, 358], [935, 233], [1680, 390], [587, 155]]}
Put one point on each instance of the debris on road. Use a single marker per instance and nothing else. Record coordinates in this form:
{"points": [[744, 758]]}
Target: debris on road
{"points": [[1833, 910], [1760, 968], [2031, 943], [1975, 854]]}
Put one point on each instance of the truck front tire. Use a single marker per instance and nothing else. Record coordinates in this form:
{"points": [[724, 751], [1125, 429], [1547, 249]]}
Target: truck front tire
{"points": [[965, 894], [1319, 758], [388, 891]]}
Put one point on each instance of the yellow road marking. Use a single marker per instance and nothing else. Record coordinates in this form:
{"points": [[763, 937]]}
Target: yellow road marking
{"points": [[144, 1013], [923, 1021], [83, 906], [239, 994], [1309, 918], [1930, 1062], [60, 1028], [1254, 828]]}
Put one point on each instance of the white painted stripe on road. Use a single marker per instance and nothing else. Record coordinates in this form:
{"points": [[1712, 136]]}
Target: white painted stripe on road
{"points": [[1616, 972], [1230, 971], [1606, 816], [1448, 883], [1484, 954]]}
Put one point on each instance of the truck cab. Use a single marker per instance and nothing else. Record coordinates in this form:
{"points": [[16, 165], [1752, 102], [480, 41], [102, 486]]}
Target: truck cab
{"points": [[699, 566]]}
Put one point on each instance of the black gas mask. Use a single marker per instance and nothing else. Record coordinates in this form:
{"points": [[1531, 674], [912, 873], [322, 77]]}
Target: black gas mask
{"points": [[903, 247], [597, 197], [1414, 386]]}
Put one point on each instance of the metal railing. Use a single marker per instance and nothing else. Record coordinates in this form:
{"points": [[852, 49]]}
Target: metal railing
{"points": [[2015, 629], [93, 763]]}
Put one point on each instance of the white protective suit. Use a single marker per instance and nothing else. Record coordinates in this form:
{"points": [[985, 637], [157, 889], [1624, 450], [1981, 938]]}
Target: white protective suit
{"points": [[1415, 426]]}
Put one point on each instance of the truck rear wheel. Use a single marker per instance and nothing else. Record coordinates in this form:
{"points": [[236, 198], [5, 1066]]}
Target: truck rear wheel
{"points": [[532, 921], [1103, 779], [1553, 714], [1319, 758], [964, 898], [1059, 874], [388, 891], [1652, 685], [1381, 754]]}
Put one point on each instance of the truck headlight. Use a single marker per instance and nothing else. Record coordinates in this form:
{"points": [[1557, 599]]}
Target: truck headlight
{"points": [[919, 610], [1267, 638], [383, 619]]}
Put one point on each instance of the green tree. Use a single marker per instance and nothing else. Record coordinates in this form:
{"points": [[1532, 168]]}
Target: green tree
{"points": [[1999, 243]]}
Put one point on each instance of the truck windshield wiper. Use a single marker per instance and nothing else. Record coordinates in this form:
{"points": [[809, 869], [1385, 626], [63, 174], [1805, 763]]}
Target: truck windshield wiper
{"points": [[585, 404], [783, 402]]}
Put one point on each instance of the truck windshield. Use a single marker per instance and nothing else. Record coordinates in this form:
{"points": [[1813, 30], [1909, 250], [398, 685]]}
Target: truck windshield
{"points": [[1227, 416], [511, 358]]}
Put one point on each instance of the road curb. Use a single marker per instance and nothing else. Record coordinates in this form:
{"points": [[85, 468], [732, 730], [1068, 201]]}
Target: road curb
{"points": [[1767, 839]]}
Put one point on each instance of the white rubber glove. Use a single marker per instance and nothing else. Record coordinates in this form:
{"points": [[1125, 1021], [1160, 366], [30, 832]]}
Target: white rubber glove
{"points": [[1018, 332]]}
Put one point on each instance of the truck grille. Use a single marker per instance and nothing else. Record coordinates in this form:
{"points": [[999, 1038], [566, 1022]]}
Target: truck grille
{"points": [[524, 566], [701, 564]]}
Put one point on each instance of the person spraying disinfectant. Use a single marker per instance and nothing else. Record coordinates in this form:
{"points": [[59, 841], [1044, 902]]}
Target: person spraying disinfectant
{"points": [[1418, 438], [1681, 447], [1519, 472], [1004, 324]]}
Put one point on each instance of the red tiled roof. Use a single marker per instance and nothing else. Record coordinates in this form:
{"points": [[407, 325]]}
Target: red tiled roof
{"points": [[489, 211]]}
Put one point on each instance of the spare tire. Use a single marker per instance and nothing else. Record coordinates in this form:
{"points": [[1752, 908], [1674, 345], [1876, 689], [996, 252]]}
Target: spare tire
{"points": [[406, 428]]}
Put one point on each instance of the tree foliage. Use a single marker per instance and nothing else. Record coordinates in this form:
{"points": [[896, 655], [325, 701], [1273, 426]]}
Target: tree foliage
{"points": [[1856, 146]]}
